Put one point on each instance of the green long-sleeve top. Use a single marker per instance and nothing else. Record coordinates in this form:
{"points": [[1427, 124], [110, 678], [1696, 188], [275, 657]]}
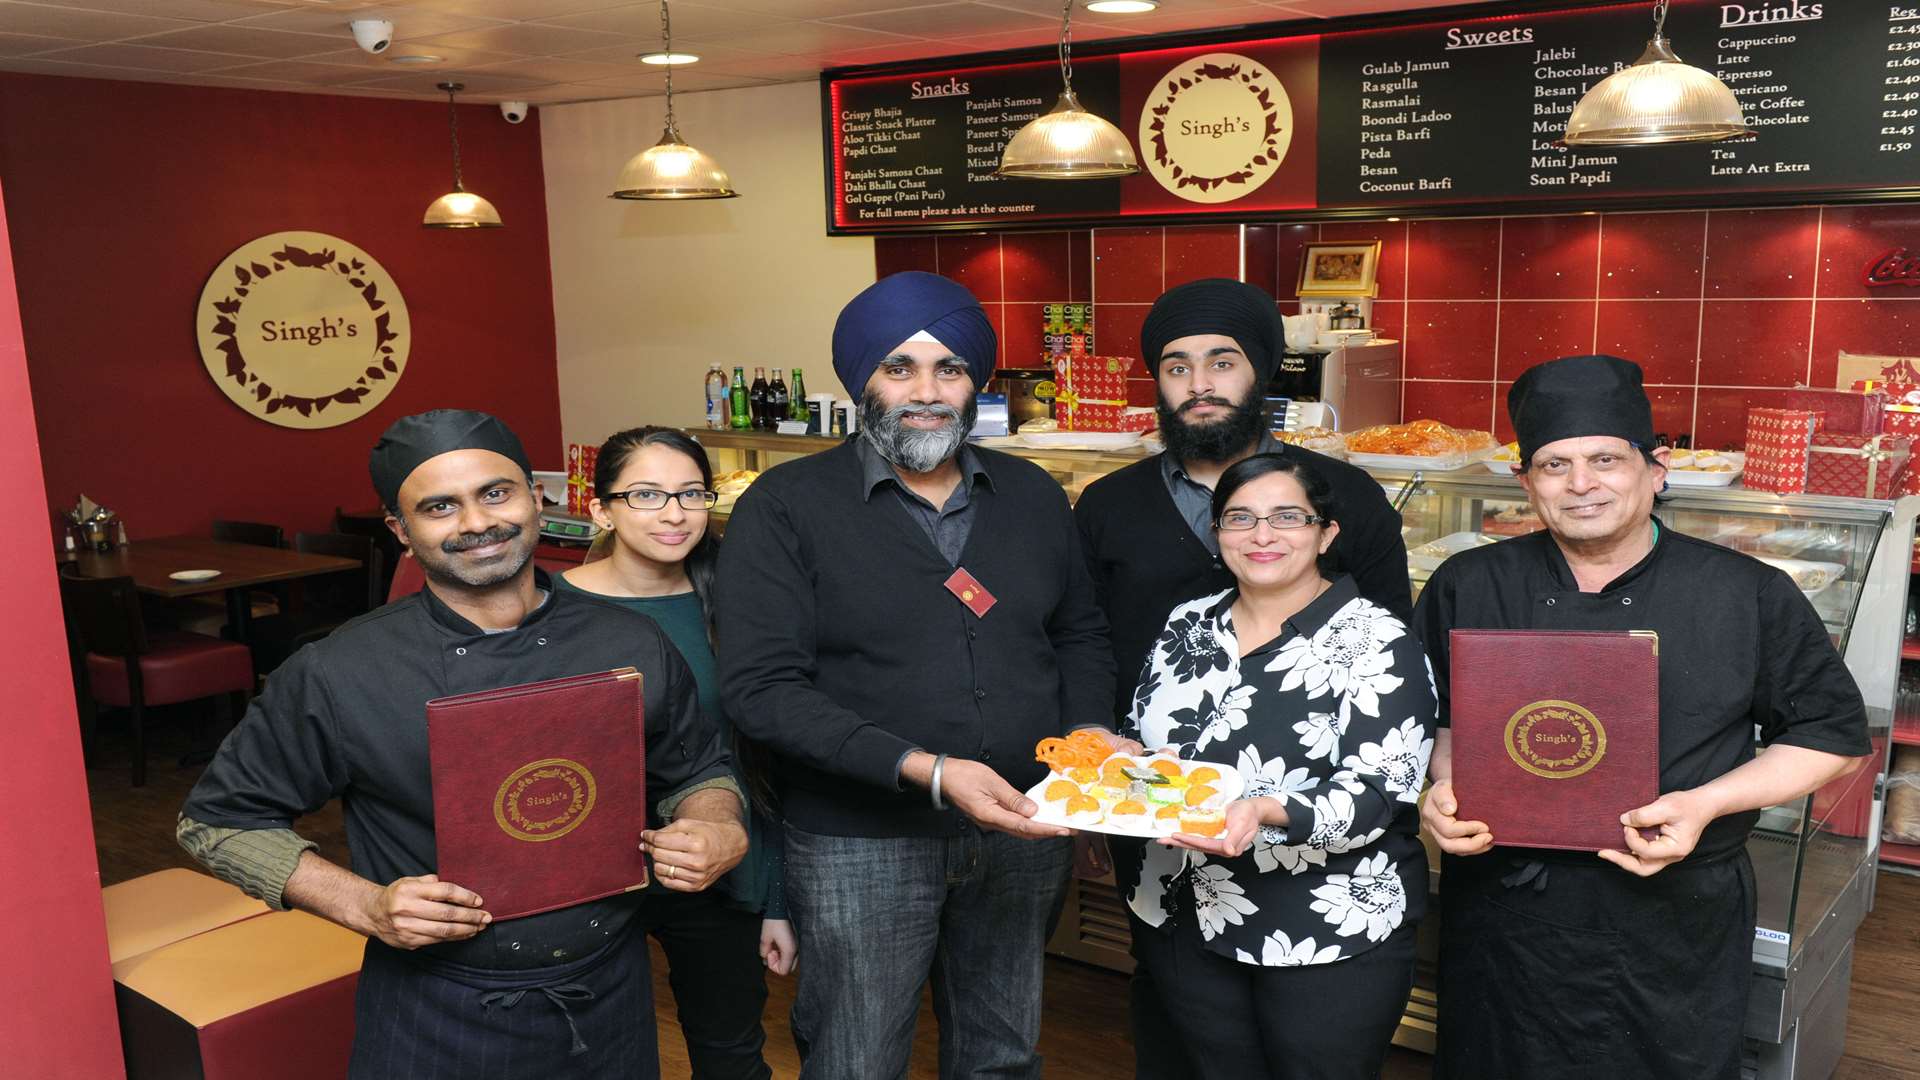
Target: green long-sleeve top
{"points": [[759, 882]]}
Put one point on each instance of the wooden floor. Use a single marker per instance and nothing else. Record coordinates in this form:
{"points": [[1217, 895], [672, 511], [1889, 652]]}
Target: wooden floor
{"points": [[1083, 1037]]}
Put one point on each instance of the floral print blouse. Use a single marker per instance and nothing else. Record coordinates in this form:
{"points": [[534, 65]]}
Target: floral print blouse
{"points": [[1335, 717]]}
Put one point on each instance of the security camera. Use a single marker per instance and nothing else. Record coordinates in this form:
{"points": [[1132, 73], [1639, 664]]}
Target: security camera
{"points": [[372, 35], [514, 111]]}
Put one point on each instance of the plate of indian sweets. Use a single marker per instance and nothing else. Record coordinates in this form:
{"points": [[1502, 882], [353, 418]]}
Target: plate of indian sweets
{"points": [[1092, 789]]}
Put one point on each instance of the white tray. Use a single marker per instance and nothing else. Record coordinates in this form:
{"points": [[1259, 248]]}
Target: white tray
{"points": [[1445, 463], [1453, 544], [1499, 466], [1230, 785], [1079, 440], [1796, 567], [1698, 478]]}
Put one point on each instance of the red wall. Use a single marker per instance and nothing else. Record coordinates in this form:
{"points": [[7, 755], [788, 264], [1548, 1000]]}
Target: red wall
{"points": [[56, 1003], [125, 196], [1723, 309]]}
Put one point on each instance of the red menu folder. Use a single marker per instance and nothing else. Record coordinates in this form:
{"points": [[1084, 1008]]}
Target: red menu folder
{"points": [[540, 791], [1555, 733]]}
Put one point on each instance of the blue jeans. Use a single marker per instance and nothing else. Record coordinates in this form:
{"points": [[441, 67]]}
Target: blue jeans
{"points": [[878, 917]]}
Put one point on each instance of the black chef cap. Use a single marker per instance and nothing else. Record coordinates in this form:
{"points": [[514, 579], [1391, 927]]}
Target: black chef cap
{"points": [[413, 440], [1236, 309], [1578, 396]]}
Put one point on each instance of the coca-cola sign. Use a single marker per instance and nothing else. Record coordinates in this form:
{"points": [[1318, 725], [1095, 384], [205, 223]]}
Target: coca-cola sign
{"points": [[1896, 267]]}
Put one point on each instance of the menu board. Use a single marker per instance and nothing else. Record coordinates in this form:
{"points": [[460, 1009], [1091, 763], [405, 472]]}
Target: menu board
{"points": [[1438, 115]]}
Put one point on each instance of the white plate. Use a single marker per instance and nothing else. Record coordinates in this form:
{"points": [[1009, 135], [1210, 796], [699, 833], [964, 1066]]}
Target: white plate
{"points": [[194, 575], [1702, 478], [1446, 463], [1230, 785], [1080, 440], [1430, 555], [1499, 466], [1801, 570]]}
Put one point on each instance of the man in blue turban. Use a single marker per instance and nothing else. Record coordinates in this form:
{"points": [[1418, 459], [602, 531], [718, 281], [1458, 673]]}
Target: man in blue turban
{"points": [[901, 619]]}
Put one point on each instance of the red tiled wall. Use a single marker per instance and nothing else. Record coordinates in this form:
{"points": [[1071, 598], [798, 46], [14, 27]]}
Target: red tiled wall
{"points": [[1723, 309]]}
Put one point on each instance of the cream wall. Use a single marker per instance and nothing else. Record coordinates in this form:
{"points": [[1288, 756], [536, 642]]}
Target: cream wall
{"points": [[646, 295]]}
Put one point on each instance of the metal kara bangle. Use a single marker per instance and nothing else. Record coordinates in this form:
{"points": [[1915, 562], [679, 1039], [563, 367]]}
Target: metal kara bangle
{"points": [[939, 763]]}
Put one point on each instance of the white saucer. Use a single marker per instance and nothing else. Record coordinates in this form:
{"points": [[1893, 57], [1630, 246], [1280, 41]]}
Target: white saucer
{"points": [[194, 575]]}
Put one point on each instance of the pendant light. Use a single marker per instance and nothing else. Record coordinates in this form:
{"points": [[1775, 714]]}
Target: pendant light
{"points": [[459, 208], [670, 169], [1067, 143], [1658, 100]]}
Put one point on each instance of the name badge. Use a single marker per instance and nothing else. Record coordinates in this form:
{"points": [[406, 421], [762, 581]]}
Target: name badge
{"points": [[971, 592]]}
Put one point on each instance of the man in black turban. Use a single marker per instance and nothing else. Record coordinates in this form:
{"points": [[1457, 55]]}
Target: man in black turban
{"points": [[1212, 347], [1543, 953], [564, 993]]}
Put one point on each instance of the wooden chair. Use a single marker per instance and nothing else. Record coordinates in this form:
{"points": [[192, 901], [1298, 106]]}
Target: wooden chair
{"points": [[125, 667], [256, 533], [327, 601], [374, 528]]}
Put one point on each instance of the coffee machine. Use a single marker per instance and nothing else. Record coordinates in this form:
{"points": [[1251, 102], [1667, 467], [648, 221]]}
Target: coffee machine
{"points": [[1345, 388]]}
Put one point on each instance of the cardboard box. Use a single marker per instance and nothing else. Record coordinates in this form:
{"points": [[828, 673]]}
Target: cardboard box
{"points": [[1777, 445]]}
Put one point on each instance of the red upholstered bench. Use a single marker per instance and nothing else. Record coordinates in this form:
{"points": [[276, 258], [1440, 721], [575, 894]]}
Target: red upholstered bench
{"points": [[267, 996]]}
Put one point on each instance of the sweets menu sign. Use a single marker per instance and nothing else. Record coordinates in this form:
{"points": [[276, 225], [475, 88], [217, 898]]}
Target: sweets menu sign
{"points": [[1441, 115], [303, 329]]}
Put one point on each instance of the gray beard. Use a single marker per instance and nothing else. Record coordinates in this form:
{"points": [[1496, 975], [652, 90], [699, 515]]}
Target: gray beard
{"points": [[912, 449]]}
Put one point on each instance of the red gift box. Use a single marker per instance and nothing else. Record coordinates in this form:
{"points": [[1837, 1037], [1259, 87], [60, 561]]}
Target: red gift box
{"points": [[1091, 392], [580, 465], [1862, 466], [1902, 409], [1777, 442], [1856, 411]]}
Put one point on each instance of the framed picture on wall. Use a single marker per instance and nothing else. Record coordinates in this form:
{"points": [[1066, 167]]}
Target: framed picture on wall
{"points": [[1351, 269]]}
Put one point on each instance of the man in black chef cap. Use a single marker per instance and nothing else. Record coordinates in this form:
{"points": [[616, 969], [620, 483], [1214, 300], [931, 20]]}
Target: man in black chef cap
{"points": [[442, 991], [1147, 529], [1557, 963]]}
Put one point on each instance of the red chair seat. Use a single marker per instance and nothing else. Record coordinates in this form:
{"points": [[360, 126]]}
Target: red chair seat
{"points": [[180, 667]]}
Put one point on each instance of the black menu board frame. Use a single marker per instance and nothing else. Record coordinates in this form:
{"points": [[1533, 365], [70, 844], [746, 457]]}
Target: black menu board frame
{"points": [[1421, 168]]}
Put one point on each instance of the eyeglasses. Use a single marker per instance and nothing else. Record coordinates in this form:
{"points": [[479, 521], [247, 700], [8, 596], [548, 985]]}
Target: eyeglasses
{"points": [[1242, 520], [649, 499]]}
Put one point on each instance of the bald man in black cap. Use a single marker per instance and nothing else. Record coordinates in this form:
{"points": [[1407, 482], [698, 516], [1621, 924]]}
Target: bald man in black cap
{"points": [[1147, 529], [1559, 964], [442, 991]]}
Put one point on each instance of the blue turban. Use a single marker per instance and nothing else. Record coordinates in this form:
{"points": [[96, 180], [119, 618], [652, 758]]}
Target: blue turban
{"points": [[898, 306]]}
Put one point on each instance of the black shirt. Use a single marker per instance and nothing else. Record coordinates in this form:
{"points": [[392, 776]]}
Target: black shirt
{"points": [[346, 717], [1740, 646], [842, 649], [947, 526]]}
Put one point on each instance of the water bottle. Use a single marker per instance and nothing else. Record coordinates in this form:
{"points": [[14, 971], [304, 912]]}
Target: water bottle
{"points": [[716, 398]]}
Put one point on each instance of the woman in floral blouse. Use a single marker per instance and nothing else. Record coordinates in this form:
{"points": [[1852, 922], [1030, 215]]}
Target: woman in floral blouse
{"points": [[1284, 947]]}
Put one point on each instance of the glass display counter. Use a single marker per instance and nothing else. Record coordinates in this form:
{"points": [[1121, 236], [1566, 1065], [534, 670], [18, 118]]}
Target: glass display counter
{"points": [[1814, 859]]}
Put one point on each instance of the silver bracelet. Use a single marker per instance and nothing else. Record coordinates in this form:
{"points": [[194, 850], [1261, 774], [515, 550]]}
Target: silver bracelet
{"points": [[939, 763]]}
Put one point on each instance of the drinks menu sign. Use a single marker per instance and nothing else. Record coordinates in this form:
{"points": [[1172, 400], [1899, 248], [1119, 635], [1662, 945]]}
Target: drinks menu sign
{"points": [[1441, 115]]}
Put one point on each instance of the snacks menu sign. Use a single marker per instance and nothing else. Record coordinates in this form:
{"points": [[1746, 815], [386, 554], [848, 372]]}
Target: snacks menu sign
{"points": [[1440, 115]]}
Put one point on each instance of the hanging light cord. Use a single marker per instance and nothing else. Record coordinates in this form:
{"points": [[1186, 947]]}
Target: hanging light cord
{"points": [[1066, 45], [666, 34], [453, 136]]}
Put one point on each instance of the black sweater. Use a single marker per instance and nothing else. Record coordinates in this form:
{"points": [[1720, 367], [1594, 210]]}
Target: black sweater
{"points": [[1145, 559], [841, 648]]}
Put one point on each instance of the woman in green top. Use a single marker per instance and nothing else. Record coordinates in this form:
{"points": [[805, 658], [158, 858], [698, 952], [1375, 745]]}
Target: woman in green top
{"points": [[653, 488]]}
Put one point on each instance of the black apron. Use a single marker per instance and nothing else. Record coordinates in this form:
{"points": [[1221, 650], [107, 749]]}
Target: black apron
{"points": [[423, 1018], [1560, 965]]}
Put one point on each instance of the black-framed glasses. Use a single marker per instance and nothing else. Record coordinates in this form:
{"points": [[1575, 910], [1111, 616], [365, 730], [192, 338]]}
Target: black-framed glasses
{"points": [[1242, 520], [652, 499]]}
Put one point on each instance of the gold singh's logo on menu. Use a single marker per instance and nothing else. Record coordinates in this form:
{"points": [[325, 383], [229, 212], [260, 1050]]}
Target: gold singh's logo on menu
{"points": [[1216, 127]]}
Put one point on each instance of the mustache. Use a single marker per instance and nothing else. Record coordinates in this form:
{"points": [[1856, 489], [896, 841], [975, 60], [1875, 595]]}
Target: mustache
{"points": [[1196, 402], [499, 534], [946, 412]]}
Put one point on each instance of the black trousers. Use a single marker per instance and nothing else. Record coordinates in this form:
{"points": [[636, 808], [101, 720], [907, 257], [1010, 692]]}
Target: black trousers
{"points": [[718, 979], [1245, 1021]]}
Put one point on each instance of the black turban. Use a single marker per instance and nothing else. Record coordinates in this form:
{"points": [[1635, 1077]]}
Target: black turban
{"points": [[1235, 309], [413, 440], [1579, 396], [892, 310]]}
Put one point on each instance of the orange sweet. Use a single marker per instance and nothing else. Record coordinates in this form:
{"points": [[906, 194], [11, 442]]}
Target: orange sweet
{"points": [[1203, 822], [1205, 774], [1199, 793], [1062, 789], [1129, 806], [1167, 811], [1164, 767], [1083, 774], [1080, 804]]}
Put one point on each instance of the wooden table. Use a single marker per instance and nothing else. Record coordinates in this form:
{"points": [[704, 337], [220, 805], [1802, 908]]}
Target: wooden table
{"points": [[242, 567]]}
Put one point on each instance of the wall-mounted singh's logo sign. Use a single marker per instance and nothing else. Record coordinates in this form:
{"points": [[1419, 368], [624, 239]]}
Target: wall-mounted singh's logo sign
{"points": [[303, 330], [1216, 127]]}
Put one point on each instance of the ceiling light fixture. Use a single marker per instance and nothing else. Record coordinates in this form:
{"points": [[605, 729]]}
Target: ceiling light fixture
{"points": [[1122, 7], [664, 59], [1068, 143], [415, 58], [459, 208], [670, 169], [1657, 100]]}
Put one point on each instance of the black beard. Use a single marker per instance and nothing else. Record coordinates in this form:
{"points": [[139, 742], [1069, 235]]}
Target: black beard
{"points": [[1216, 441]]}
